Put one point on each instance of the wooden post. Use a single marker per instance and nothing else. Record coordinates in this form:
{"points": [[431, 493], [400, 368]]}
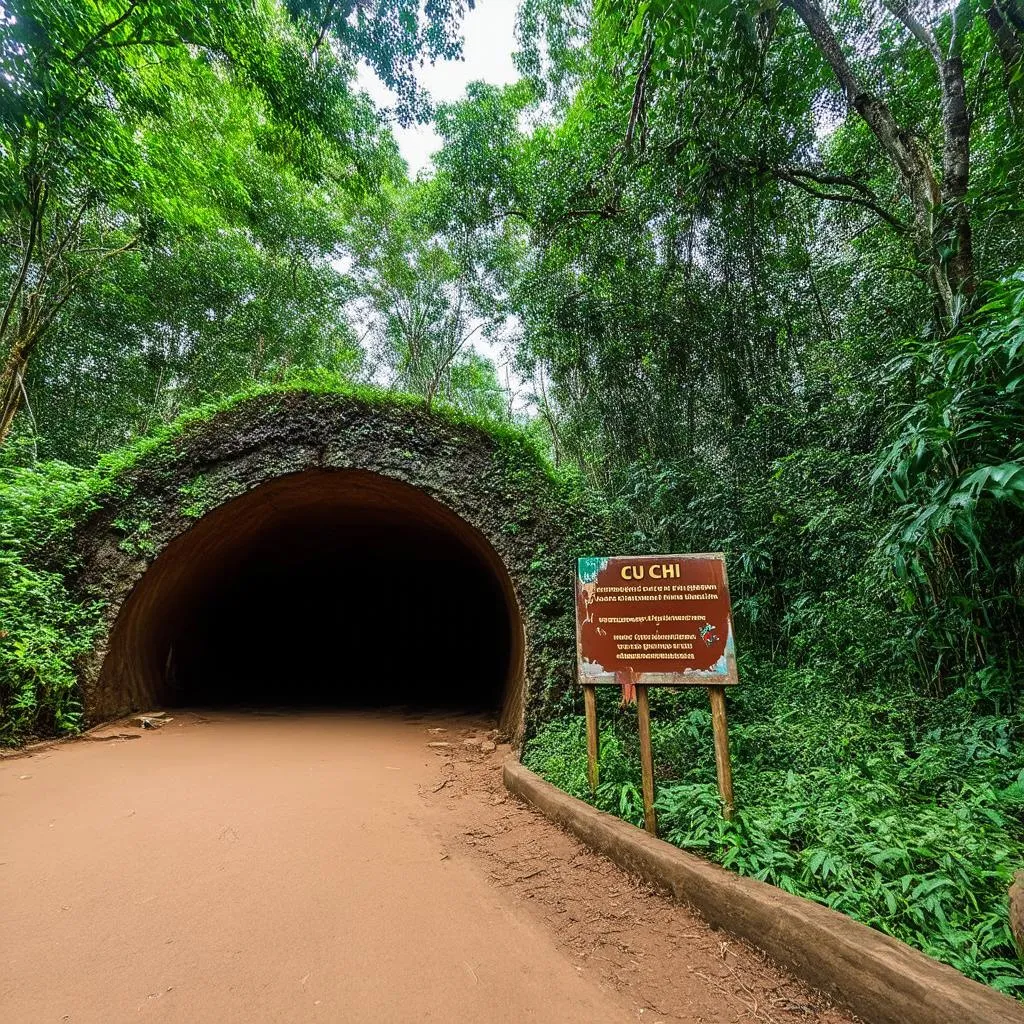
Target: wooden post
{"points": [[643, 714], [590, 706], [720, 726]]}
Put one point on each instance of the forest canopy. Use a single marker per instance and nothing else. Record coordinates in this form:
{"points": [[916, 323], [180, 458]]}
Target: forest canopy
{"points": [[756, 272]]}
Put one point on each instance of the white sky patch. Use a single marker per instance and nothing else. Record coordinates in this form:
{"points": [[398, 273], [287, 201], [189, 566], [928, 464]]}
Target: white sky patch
{"points": [[489, 32]]}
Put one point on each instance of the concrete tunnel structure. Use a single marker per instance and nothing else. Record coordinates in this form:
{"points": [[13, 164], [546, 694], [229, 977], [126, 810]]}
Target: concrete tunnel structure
{"points": [[330, 550]]}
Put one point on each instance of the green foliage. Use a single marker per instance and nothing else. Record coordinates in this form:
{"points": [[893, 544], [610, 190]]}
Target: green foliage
{"points": [[957, 469], [903, 812], [393, 36], [42, 628], [177, 223], [424, 297], [175, 186]]}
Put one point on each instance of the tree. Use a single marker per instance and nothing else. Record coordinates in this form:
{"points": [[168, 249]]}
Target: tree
{"points": [[748, 60], [941, 223], [422, 296], [100, 115], [390, 36]]}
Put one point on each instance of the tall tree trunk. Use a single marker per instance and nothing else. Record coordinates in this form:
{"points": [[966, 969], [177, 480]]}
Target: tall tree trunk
{"points": [[941, 225], [10, 386], [955, 219], [1001, 18]]}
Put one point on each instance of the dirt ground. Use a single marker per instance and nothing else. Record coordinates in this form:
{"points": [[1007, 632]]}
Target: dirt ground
{"points": [[255, 868]]}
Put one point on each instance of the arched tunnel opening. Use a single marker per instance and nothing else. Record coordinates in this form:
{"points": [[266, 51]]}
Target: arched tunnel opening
{"points": [[326, 588]]}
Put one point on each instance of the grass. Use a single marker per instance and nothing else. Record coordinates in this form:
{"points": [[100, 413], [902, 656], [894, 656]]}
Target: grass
{"points": [[903, 812]]}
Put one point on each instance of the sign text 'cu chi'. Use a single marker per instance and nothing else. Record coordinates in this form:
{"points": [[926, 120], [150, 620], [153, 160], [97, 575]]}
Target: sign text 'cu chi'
{"points": [[662, 620], [659, 571]]}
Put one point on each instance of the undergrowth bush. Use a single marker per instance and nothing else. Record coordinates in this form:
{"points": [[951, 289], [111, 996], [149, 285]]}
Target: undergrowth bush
{"points": [[899, 810], [42, 628]]}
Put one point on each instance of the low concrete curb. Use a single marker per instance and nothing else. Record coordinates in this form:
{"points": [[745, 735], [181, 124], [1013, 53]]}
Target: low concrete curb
{"points": [[882, 980]]}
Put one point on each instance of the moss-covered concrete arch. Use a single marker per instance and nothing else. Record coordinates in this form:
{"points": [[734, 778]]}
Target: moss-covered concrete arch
{"points": [[247, 507]]}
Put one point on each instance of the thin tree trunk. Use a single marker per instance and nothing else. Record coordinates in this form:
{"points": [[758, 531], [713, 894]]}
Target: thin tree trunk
{"points": [[10, 387], [954, 225], [955, 221]]}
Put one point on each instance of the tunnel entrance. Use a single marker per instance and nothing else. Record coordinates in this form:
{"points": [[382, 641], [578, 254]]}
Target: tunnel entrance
{"points": [[325, 588]]}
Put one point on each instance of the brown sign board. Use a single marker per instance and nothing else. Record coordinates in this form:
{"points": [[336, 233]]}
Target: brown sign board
{"points": [[654, 620]]}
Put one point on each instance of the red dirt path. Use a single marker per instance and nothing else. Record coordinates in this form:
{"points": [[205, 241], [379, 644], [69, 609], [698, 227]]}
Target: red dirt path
{"points": [[332, 868]]}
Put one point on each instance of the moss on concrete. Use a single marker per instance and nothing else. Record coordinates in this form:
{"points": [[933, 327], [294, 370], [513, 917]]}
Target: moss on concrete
{"points": [[121, 515]]}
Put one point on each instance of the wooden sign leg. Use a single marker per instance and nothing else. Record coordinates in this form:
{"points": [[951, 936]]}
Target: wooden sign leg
{"points": [[720, 726], [643, 713], [590, 706]]}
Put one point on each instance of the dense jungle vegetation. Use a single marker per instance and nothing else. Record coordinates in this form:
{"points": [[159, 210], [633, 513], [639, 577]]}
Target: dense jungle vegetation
{"points": [[759, 272]]}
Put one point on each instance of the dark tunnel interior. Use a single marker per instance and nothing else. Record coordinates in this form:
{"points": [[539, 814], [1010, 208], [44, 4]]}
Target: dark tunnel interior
{"points": [[352, 612], [322, 589]]}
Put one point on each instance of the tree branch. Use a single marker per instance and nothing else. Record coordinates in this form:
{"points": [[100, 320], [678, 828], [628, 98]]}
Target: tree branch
{"points": [[922, 33], [911, 158], [324, 26], [801, 178], [105, 31], [637, 106], [37, 204]]}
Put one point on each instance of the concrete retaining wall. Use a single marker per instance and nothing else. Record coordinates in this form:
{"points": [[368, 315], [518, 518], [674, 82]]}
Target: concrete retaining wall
{"points": [[880, 978]]}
